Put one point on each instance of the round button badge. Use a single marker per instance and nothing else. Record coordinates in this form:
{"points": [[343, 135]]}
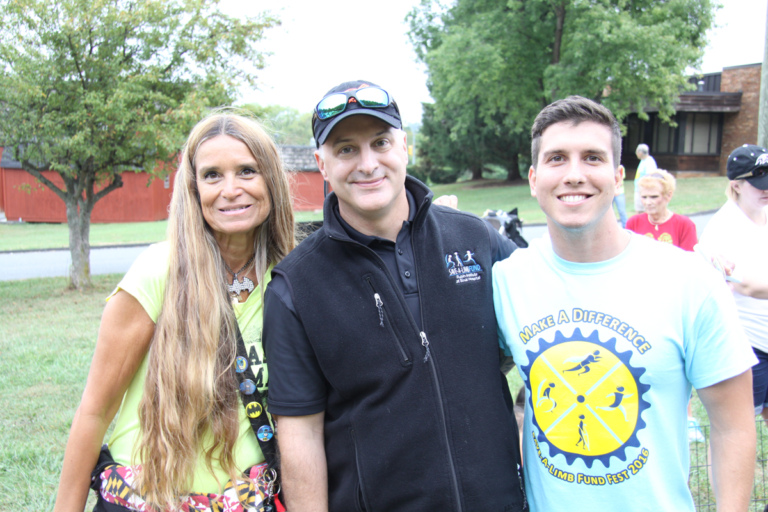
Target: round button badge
{"points": [[253, 410], [264, 433], [247, 387], [241, 364]]}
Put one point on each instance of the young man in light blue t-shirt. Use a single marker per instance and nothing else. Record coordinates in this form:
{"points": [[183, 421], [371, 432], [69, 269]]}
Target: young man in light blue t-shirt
{"points": [[610, 331]]}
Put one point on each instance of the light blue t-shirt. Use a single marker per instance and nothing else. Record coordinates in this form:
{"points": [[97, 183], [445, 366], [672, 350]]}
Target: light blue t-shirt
{"points": [[608, 353]]}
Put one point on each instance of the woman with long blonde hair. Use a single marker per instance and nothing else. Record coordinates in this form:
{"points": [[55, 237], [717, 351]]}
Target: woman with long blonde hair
{"points": [[168, 355]]}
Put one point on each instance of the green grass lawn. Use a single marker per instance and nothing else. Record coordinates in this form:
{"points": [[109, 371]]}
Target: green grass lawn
{"points": [[693, 195], [47, 337], [35, 235]]}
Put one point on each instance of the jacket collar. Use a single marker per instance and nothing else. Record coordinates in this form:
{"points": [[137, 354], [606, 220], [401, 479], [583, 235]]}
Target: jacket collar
{"points": [[422, 196]]}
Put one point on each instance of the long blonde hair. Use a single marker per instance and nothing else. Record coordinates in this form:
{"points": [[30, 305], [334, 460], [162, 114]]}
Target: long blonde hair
{"points": [[191, 386]]}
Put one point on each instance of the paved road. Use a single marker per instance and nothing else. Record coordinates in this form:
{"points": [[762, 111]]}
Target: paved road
{"points": [[53, 263], [116, 260]]}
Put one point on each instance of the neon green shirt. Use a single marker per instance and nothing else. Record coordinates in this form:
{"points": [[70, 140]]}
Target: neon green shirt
{"points": [[146, 281]]}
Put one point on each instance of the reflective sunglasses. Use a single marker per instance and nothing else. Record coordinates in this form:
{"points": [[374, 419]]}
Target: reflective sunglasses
{"points": [[336, 103]]}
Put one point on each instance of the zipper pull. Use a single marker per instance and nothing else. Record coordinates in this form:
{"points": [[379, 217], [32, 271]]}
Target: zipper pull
{"points": [[380, 307], [425, 344]]}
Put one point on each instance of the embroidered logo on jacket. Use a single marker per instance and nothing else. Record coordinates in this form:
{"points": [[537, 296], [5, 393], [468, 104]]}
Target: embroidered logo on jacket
{"points": [[463, 266]]}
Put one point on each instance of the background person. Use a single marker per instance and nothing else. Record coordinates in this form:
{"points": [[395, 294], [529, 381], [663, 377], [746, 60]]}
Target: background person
{"points": [[739, 233], [647, 165], [620, 199], [658, 221], [166, 350], [611, 433], [381, 338]]}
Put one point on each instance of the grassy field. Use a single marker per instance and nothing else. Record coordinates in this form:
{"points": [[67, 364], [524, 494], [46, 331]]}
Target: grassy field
{"points": [[46, 342], [27, 235], [693, 195], [47, 339]]}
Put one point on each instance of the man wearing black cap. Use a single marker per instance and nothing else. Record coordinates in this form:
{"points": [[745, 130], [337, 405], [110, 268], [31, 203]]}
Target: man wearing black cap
{"points": [[381, 337]]}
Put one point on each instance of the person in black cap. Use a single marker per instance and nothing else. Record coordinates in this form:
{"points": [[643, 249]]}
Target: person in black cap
{"points": [[738, 233], [381, 337]]}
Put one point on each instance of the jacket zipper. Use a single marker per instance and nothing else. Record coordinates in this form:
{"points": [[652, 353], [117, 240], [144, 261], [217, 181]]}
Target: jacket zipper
{"points": [[425, 344], [361, 492], [438, 389], [380, 307]]}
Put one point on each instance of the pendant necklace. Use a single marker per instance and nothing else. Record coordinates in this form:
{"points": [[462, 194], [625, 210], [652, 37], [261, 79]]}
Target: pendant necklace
{"points": [[665, 219], [238, 286]]}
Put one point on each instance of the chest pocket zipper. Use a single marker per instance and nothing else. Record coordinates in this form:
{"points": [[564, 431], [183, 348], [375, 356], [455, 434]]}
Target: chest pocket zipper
{"points": [[404, 359]]}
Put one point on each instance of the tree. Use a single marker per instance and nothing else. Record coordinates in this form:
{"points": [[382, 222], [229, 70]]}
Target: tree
{"points": [[498, 62], [94, 88], [287, 125], [445, 153]]}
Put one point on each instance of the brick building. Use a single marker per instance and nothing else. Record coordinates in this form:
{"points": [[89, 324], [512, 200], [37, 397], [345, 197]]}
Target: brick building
{"points": [[711, 122]]}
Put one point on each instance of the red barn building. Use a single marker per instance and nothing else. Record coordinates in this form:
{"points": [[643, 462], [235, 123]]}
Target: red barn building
{"points": [[141, 198]]}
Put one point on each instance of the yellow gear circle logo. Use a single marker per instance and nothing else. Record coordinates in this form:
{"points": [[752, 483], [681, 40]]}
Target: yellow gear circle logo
{"points": [[586, 399]]}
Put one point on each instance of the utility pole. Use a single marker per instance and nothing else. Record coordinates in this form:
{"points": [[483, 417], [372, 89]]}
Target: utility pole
{"points": [[762, 119]]}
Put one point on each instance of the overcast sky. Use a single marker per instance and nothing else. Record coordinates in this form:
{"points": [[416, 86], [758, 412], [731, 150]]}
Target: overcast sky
{"points": [[370, 42]]}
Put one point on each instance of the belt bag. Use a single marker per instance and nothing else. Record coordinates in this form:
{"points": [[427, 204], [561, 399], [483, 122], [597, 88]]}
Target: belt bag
{"points": [[115, 491]]}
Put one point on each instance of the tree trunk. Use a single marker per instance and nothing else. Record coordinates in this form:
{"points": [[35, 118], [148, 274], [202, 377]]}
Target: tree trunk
{"points": [[477, 173], [559, 24], [513, 171], [79, 221]]}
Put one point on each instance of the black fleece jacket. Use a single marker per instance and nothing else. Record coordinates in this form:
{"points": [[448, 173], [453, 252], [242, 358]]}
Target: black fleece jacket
{"points": [[416, 419]]}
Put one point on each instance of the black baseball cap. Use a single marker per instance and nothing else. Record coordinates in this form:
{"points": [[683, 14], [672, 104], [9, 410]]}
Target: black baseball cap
{"points": [[386, 110], [749, 162]]}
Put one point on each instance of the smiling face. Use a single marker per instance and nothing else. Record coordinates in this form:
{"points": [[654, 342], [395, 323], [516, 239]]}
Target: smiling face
{"points": [[575, 178], [233, 194], [364, 160]]}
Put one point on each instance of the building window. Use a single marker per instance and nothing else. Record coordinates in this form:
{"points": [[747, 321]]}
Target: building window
{"points": [[696, 134], [702, 133], [663, 137]]}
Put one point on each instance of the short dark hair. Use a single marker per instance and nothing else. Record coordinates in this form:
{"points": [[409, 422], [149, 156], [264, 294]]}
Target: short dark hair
{"points": [[575, 109]]}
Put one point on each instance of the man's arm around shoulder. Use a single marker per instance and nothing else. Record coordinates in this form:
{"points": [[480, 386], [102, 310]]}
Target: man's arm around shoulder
{"points": [[303, 472], [732, 438]]}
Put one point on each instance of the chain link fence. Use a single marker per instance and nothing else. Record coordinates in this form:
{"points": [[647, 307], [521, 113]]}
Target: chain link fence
{"points": [[699, 478]]}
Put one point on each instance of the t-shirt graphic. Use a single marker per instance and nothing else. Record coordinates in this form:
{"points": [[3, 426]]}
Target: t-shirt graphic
{"points": [[586, 398]]}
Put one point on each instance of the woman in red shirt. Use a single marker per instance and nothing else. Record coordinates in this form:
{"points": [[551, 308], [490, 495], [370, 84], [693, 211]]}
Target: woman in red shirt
{"points": [[658, 222]]}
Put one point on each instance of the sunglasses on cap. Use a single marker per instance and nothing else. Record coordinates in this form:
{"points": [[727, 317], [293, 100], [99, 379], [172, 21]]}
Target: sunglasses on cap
{"points": [[367, 97]]}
